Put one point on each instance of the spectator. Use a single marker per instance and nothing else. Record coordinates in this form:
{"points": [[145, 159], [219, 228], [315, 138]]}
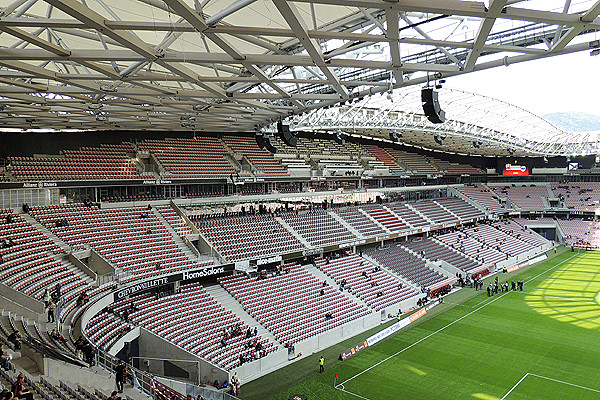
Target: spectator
{"points": [[4, 358], [56, 336], [15, 339], [120, 370], [19, 391], [51, 308]]}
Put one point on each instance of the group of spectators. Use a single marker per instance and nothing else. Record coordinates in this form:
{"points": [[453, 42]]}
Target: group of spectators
{"points": [[51, 299], [84, 350]]}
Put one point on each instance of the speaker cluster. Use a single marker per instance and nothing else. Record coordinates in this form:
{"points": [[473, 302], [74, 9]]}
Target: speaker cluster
{"points": [[431, 106]]}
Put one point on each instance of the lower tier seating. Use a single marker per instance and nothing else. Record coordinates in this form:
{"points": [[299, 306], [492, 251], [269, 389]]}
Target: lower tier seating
{"points": [[373, 285], [293, 305]]}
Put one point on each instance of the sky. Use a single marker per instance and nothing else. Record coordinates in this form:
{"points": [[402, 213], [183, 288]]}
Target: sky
{"points": [[567, 83]]}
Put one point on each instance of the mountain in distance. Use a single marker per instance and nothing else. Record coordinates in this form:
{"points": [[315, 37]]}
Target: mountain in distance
{"points": [[574, 121]]}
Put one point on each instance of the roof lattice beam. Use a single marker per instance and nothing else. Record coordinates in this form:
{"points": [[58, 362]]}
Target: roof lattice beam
{"points": [[292, 16], [484, 30]]}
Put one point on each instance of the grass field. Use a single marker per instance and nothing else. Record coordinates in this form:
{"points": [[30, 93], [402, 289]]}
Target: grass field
{"points": [[542, 343]]}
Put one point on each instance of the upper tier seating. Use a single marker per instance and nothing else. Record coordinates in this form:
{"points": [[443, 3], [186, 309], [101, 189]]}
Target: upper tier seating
{"points": [[194, 320], [525, 197], [453, 168], [359, 221], [4, 177], [203, 157], [407, 214], [385, 217], [581, 233], [27, 264], [133, 239], [250, 236], [416, 163], [382, 155], [109, 161], [405, 264], [261, 159], [459, 207], [291, 306], [320, 149], [374, 286], [434, 212], [434, 250], [176, 222], [482, 195], [318, 227], [582, 196]]}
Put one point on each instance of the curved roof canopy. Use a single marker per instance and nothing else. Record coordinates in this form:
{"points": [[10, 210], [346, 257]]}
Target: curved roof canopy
{"points": [[241, 64], [475, 124]]}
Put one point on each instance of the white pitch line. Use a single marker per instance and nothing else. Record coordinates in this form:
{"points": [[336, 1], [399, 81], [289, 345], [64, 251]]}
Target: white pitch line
{"points": [[439, 330], [422, 339], [513, 388], [566, 383], [353, 394]]}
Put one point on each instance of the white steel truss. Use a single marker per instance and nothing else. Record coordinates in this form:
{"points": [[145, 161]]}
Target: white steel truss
{"points": [[239, 65], [478, 125]]}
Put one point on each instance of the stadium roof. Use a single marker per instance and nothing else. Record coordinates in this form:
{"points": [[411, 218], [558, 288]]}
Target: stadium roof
{"points": [[475, 125], [219, 65]]}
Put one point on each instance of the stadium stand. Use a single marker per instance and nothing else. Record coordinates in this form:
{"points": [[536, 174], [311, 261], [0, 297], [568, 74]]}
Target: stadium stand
{"points": [[203, 157], [583, 196], [109, 161], [241, 237], [434, 212], [434, 251], [27, 263], [382, 155], [506, 243], [524, 197], [408, 214], [580, 233], [192, 319], [296, 309], [385, 217], [373, 285], [416, 163], [482, 195], [359, 221], [133, 239], [460, 208], [174, 220], [317, 227], [405, 264], [453, 168], [463, 242], [262, 160], [516, 230]]}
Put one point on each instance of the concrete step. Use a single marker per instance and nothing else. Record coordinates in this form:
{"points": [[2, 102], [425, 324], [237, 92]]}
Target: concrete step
{"points": [[33, 222], [229, 302], [345, 224], [176, 238], [293, 232]]}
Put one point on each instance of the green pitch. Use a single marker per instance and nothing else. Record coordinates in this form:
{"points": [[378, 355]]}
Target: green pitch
{"points": [[542, 343]]}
